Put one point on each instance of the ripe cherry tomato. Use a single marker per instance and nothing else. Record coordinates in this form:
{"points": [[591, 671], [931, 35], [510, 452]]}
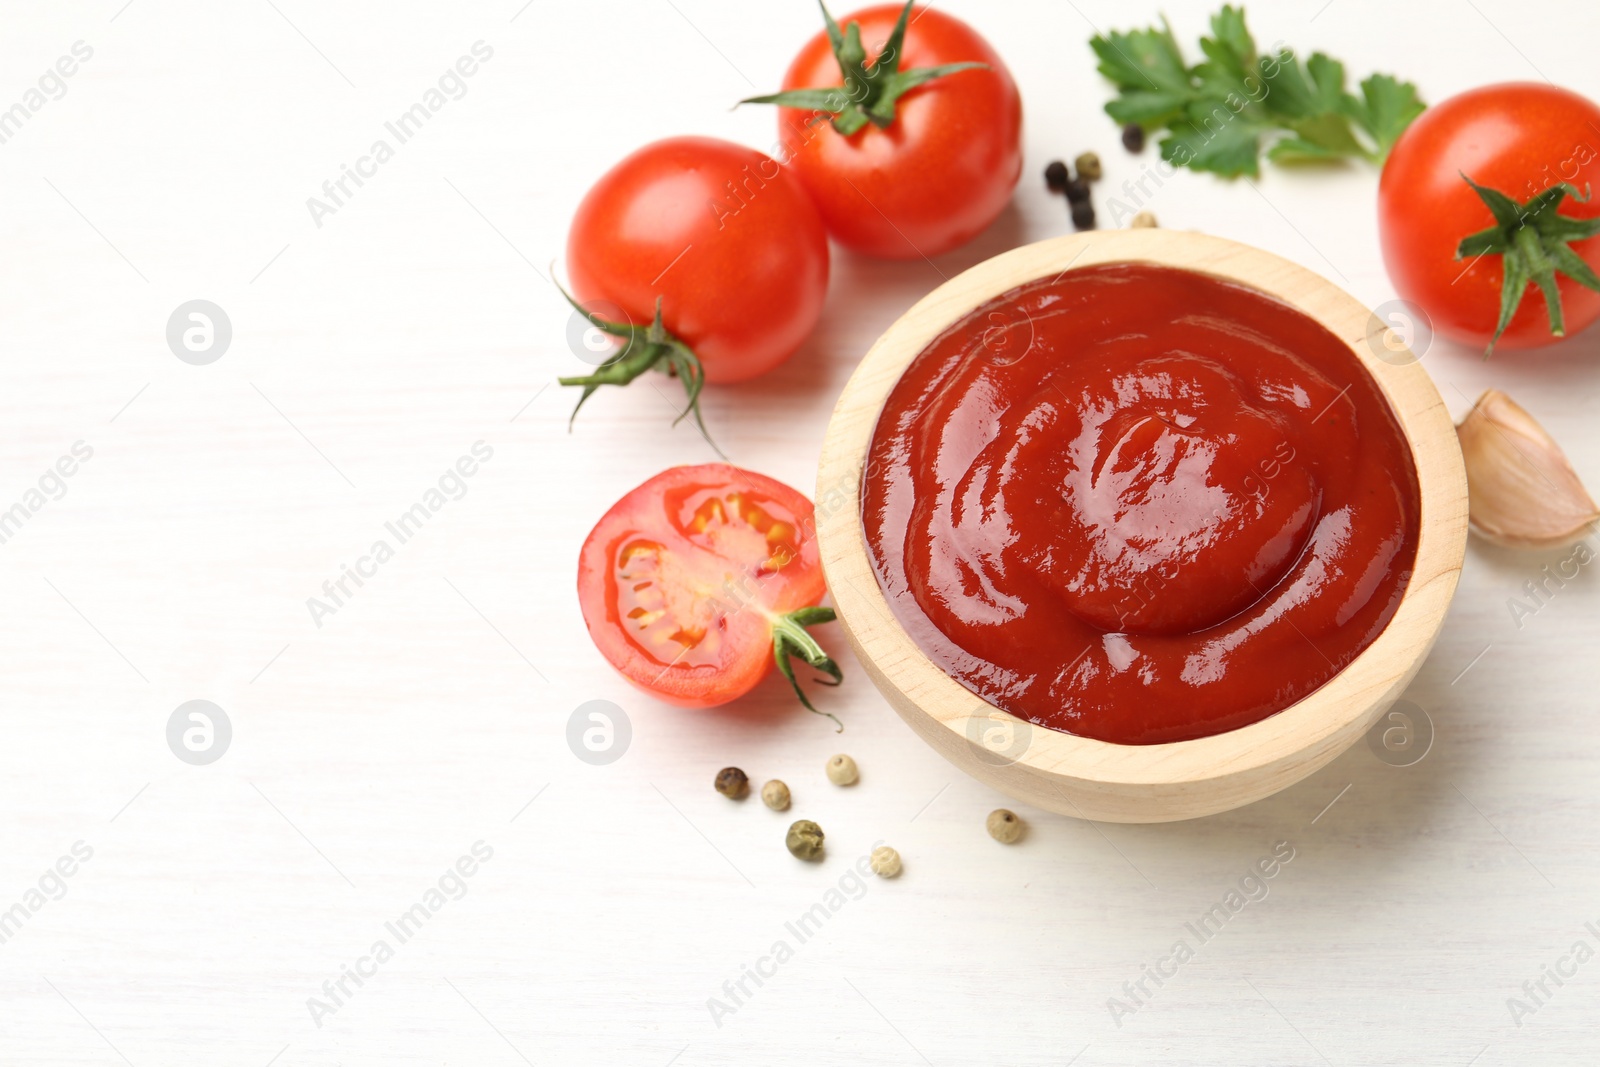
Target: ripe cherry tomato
{"points": [[926, 172], [715, 238], [1522, 140], [696, 582]]}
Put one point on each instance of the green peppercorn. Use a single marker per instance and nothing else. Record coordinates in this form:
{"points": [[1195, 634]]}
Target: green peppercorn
{"points": [[804, 840], [733, 783], [1088, 167]]}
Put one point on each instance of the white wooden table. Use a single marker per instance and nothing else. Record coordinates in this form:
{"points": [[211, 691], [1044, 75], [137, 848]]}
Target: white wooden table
{"points": [[429, 712]]}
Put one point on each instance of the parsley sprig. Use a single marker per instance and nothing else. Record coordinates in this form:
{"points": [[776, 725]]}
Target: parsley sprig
{"points": [[1222, 112]]}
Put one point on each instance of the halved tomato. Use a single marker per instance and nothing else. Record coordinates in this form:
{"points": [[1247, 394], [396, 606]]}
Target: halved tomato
{"points": [[696, 582]]}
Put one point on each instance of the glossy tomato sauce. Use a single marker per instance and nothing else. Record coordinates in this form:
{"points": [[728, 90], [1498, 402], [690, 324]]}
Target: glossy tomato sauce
{"points": [[1140, 504]]}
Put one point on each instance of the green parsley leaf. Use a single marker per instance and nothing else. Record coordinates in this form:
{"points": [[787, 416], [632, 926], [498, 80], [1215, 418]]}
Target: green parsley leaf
{"points": [[1211, 137], [1221, 113], [1386, 108]]}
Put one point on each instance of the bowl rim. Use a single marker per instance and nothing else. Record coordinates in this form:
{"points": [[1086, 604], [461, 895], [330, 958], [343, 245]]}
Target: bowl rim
{"points": [[1318, 726]]}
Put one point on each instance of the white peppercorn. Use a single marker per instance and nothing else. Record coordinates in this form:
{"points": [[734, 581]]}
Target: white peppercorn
{"points": [[1004, 826], [842, 770], [775, 795], [885, 862], [1144, 220]]}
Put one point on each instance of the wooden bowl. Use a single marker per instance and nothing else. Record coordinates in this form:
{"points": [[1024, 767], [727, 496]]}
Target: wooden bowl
{"points": [[1142, 783]]}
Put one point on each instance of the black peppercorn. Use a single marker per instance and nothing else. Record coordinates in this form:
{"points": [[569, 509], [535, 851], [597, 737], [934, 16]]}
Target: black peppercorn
{"points": [[732, 783], [1055, 176], [1133, 137], [1077, 191], [1083, 215]]}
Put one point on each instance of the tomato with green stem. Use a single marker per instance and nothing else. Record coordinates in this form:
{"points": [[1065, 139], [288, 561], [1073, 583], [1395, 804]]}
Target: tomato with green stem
{"points": [[912, 152], [1486, 200], [704, 258], [698, 581]]}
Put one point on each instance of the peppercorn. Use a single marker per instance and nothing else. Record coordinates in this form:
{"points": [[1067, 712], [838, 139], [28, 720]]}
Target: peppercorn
{"points": [[842, 770], [1133, 137], [733, 783], [775, 795], [1144, 220], [885, 862], [804, 840], [1004, 826], [1088, 167], [1055, 175], [1083, 215], [1077, 191]]}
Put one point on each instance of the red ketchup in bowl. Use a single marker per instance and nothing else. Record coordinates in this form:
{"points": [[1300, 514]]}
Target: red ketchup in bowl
{"points": [[1140, 504]]}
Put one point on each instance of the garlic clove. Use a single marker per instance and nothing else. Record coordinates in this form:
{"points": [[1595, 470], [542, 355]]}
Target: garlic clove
{"points": [[1521, 489]]}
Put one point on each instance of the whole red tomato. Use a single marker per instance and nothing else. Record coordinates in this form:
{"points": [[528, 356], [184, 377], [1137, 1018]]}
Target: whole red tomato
{"points": [[1521, 140], [913, 161], [697, 581], [719, 240]]}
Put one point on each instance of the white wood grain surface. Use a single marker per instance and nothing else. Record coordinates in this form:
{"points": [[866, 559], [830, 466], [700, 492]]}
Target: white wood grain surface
{"points": [[430, 710]]}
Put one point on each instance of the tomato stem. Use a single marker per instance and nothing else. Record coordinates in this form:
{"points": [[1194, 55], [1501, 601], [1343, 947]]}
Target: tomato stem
{"points": [[645, 348], [1532, 242], [790, 639], [870, 92]]}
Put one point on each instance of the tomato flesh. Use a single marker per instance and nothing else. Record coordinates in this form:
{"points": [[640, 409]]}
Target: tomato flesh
{"points": [[680, 580], [1518, 138], [941, 172]]}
